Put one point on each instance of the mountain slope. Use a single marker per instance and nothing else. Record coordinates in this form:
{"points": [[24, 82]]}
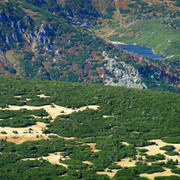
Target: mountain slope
{"points": [[41, 44], [47, 40], [87, 131], [153, 24]]}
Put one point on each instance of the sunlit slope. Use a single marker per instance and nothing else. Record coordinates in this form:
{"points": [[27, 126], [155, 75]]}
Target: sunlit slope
{"points": [[65, 130], [165, 41]]}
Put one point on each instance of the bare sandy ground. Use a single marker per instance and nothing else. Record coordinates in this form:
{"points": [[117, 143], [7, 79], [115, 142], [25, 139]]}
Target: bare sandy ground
{"points": [[33, 133], [110, 174], [87, 162], [160, 143], [92, 145], [104, 116], [52, 111], [17, 96], [167, 172], [30, 133], [53, 158], [155, 149], [152, 150], [125, 143], [126, 162], [43, 96]]}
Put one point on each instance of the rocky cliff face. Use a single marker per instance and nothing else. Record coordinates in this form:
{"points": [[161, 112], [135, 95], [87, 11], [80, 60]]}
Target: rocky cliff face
{"points": [[44, 31], [121, 74]]}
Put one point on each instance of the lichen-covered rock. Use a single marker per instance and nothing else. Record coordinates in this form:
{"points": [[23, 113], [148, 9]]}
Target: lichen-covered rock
{"points": [[121, 74]]}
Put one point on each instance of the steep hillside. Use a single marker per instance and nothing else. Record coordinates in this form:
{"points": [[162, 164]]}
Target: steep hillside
{"points": [[52, 40], [161, 16], [153, 24], [64, 130], [40, 44]]}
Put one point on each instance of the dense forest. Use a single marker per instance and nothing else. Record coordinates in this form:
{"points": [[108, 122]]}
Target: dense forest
{"points": [[122, 115]]}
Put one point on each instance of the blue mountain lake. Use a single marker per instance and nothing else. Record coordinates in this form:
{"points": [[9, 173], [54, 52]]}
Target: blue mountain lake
{"points": [[140, 50]]}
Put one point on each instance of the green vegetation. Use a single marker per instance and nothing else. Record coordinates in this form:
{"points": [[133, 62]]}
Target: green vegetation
{"points": [[145, 109], [174, 140], [167, 178], [154, 25], [55, 40], [51, 40], [151, 33], [133, 116], [172, 153], [22, 118], [168, 148], [151, 158]]}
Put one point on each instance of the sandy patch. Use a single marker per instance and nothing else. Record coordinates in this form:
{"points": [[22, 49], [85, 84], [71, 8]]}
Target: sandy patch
{"points": [[27, 99], [52, 111], [34, 132], [126, 162], [92, 145], [30, 133], [152, 150], [155, 149], [39, 117], [161, 143], [66, 138], [53, 158], [17, 96], [43, 96], [36, 129], [125, 143], [167, 172], [87, 162], [21, 139], [110, 174], [104, 116]]}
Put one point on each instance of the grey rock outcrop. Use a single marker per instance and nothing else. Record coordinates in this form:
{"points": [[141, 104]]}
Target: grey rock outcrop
{"points": [[45, 30], [121, 74]]}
